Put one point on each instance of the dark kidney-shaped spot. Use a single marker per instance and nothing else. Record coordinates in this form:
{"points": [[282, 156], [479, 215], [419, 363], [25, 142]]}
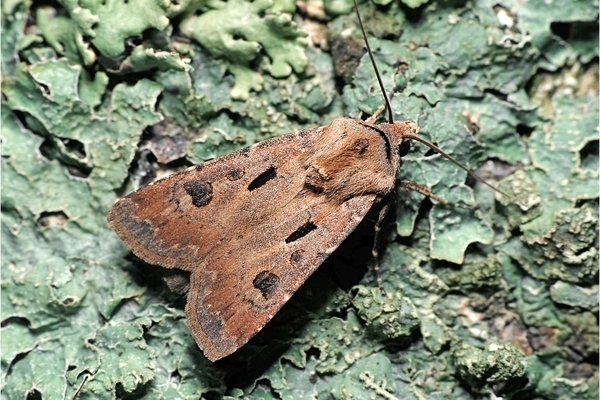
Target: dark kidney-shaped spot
{"points": [[263, 178], [200, 192], [301, 232], [266, 282]]}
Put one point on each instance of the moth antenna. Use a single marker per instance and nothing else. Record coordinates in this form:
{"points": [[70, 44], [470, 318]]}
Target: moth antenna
{"points": [[453, 161], [385, 96]]}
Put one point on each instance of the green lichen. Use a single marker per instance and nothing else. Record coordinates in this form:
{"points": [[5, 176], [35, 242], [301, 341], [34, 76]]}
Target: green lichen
{"points": [[373, 375], [109, 24], [389, 316], [575, 296], [237, 32], [337, 7], [49, 92], [142, 59], [558, 234], [496, 363], [468, 291]]}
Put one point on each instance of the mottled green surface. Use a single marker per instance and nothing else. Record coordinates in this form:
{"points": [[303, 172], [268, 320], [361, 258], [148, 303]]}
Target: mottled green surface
{"points": [[496, 301]]}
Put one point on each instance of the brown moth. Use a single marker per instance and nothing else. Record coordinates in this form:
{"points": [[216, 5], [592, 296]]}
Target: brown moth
{"points": [[267, 216]]}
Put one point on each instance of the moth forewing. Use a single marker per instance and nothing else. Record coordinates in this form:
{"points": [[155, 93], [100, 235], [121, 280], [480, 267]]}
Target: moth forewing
{"points": [[252, 226]]}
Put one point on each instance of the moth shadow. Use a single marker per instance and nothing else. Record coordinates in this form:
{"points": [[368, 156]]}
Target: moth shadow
{"points": [[162, 284], [323, 295]]}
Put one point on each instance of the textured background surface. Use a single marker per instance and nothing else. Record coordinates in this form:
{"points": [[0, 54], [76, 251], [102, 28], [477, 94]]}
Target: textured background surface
{"points": [[94, 91]]}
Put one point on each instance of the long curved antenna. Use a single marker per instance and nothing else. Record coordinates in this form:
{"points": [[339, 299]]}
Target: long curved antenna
{"points": [[453, 161], [385, 96], [391, 116]]}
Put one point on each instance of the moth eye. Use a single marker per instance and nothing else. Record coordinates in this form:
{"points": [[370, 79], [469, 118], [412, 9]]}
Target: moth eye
{"points": [[403, 148], [263, 178], [266, 282], [200, 192], [301, 232], [234, 174]]}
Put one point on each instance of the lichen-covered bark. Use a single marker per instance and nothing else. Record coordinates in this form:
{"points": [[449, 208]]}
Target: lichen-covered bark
{"points": [[502, 299]]}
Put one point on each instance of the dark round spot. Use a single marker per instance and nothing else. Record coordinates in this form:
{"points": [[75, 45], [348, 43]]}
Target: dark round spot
{"points": [[235, 174], [266, 282], [200, 192], [297, 257]]}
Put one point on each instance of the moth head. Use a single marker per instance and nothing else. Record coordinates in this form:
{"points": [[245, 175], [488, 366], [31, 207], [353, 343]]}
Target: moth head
{"points": [[399, 135]]}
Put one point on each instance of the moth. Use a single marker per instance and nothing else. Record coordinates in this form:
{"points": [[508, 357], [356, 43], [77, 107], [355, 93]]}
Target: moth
{"points": [[250, 227]]}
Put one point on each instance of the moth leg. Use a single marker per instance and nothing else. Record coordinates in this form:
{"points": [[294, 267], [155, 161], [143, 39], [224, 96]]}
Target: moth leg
{"points": [[377, 113], [375, 251], [405, 184]]}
